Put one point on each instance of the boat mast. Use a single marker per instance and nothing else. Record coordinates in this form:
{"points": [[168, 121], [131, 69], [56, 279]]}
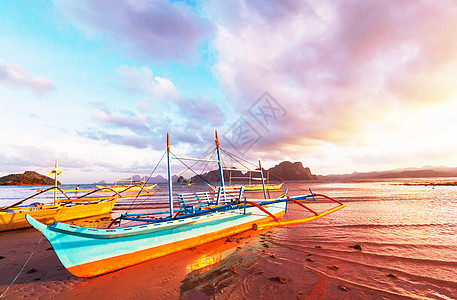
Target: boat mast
{"points": [[170, 197], [56, 172], [55, 183], [221, 174], [263, 182]]}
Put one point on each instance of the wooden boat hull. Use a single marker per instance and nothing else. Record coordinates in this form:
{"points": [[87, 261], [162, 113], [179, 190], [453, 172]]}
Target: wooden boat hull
{"points": [[258, 187], [130, 188], [89, 252], [251, 187], [53, 213]]}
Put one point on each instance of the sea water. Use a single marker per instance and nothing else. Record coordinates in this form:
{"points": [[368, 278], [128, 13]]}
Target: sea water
{"points": [[392, 241]]}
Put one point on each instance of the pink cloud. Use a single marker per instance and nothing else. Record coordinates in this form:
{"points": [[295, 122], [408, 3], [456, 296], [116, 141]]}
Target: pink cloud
{"points": [[133, 122], [141, 131], [142, 80], [151, 29], [336, 67], [162, 91], [17, 77]]}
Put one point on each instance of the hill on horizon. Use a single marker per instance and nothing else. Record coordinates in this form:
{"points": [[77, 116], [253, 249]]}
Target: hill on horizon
{"points": [[296, 171], [28, 178], [410, 172], [284, 170]]}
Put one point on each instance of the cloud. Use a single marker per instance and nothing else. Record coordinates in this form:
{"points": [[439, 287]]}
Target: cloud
{"points": [[133, 140], [155, 29], [136, 123], [139, 130], [161, 91], [17, 77], [338, 68], [201, 109], [20, 158], [156, 115], [126, 128], [142, 80]]}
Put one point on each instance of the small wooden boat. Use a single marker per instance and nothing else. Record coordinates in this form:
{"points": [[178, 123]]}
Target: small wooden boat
{"points": [[129, 187], [14, 218], [133, 186], [201, 218], [251, 187]]}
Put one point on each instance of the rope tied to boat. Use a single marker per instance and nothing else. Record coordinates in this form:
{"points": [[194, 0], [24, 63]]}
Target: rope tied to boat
{"points": [[144, 184], [190, 168], [23, 267], [239, 159]]}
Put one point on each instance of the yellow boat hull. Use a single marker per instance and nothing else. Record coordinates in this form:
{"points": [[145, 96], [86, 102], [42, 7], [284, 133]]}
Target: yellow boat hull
{"points": [[53, 213], [130, 188], [251, 187]]}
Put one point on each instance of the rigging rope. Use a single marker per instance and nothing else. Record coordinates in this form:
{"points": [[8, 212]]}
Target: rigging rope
{"points": [[138, 204], [189, 168], [233, 156], [198, 178], [145, 183], [14, 280]]}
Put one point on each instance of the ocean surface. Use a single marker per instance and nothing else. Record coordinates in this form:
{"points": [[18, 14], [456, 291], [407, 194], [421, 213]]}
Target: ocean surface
{"points": [[392, 241]]}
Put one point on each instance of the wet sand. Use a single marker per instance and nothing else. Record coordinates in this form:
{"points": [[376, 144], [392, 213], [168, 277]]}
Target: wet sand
{"points": [[243, 266], [407, 250]]}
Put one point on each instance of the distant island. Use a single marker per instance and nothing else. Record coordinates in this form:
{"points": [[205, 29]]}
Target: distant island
{"points": [[295, 171], [291, 171], [28, 178], [423, 172]]}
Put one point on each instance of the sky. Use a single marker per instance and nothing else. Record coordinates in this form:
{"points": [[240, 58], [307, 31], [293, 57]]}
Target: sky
{"points": [[341, 86]]}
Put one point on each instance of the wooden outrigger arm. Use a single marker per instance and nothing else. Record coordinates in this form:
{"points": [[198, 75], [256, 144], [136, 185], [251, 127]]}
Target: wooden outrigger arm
{"points": [[40, 192], [300, 221], [262, 209], [302, 205], [278, 223]]}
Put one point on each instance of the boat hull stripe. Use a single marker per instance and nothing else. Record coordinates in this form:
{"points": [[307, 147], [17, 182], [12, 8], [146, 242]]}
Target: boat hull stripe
{"points": [[118, 262]]}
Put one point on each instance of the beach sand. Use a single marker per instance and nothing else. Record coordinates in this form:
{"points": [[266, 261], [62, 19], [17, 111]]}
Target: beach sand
{"points": [[243, 266]]}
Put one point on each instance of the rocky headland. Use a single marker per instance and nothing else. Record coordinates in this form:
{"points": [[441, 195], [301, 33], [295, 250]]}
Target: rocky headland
{"points": [[28, 178]]}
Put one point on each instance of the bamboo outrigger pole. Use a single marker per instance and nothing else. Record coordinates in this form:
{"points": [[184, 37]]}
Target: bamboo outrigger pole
{"points": [[56, 172], [263, 182], [220, 165], [170, 197]]}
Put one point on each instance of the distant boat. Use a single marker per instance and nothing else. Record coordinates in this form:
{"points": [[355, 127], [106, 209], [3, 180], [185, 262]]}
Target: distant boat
{"points": [[201, 218], [251, 187], [13, 216], [133, 186], [126, 188]]}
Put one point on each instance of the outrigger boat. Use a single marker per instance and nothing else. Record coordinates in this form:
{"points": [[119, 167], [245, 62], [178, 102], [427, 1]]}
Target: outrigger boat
{"points": [[65, 209], [15, 217], [201, 218], [250, 187], [134, 186], [130, 188]]}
